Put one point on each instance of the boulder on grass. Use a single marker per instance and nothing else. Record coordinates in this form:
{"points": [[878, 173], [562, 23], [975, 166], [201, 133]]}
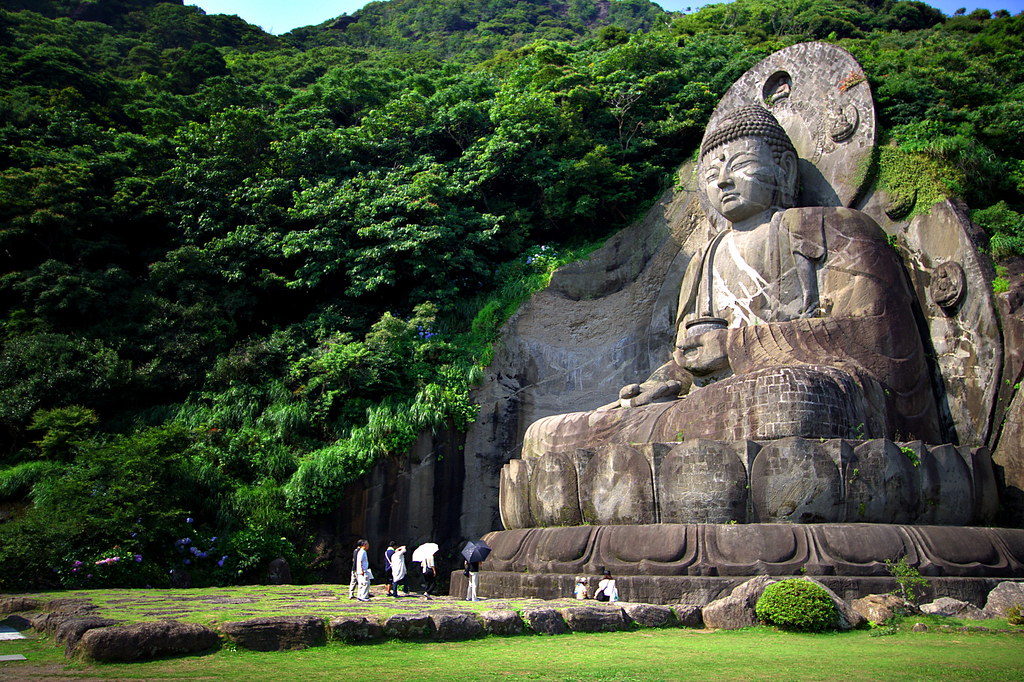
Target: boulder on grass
{"points": [[880, 608], [595, 618], [68, 632], [144, 641], [502, 622], [947, 606], [10, 605], [546, 621], [1002, 597], [454, 626], [736, 610], [354, 629], [58, 611], [411, 626], [276, 633], [689, 615], [650, 615]]}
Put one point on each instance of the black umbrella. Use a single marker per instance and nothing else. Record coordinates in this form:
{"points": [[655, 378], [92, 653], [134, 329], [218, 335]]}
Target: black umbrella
{"points": [[475, 551]]}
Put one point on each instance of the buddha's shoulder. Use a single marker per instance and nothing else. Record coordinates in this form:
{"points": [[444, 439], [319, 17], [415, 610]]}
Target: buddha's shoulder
{"points": [[848, 222]]}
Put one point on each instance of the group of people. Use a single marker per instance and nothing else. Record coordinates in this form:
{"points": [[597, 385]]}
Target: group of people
{"points": [[397, 572], [394, 562], [606, 588]]}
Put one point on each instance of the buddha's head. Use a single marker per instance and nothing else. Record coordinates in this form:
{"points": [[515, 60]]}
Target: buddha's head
{"points": [[748, 165]]}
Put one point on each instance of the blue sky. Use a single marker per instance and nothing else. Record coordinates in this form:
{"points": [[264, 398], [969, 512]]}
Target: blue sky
{"points": [[275, 16]]}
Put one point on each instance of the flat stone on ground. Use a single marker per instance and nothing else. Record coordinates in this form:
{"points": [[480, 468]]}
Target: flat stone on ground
{"points": [[414, 626], [278, 633], [502, 622], [144, 641], [650, 615], [9, 633], [595, 618], [452, 626], [546, 621], [357, 628]]}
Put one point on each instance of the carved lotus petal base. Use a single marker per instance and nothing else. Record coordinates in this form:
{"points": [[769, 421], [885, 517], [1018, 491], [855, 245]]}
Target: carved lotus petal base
{"points": [[666, 563]]}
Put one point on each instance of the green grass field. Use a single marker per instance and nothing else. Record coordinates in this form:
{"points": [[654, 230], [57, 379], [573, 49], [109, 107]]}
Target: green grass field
{"points": [[673, 654]]}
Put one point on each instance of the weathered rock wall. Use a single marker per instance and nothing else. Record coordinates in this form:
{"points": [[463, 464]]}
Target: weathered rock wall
{"points": [[603, 323], [411, 499]]}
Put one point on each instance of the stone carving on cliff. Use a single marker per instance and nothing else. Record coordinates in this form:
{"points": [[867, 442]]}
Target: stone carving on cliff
{"points": [[824, 364]]}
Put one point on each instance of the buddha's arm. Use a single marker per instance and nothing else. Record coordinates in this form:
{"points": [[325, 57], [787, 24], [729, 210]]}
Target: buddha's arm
{"points": [[668, 382]]}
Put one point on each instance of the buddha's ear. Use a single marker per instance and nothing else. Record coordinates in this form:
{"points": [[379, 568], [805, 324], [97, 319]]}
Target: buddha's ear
{"points": [[788, 164], [787, 189]]}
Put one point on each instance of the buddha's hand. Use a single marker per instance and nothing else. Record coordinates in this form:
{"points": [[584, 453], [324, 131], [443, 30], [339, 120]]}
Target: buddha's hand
{"points": [[635, 395], [703, 355]]}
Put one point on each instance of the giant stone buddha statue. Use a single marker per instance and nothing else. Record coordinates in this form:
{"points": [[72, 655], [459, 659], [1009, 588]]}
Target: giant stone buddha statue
{"points": [[791, 322]]}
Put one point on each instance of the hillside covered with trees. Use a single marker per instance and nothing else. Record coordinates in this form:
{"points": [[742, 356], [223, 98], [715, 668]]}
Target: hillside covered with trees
{"points": [[238, 269]]}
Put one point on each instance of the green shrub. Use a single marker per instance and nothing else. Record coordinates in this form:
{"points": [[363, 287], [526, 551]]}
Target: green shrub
{"points": [[797, 605], [1014, 616], [909, 582]]}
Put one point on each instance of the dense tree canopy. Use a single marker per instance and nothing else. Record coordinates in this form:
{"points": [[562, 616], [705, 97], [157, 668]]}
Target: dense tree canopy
{"points": [[249, 266]]}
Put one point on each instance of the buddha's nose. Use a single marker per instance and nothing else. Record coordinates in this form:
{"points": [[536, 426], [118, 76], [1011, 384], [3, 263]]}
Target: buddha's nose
{"points": [[724, 178]]}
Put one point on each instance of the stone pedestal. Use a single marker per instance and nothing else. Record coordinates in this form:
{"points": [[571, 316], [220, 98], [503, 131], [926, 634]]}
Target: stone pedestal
{"points": [[790, 480], [695, 563]]}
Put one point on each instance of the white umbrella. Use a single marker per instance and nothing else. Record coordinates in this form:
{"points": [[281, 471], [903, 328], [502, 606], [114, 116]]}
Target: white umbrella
{"points": [[427, 549]]}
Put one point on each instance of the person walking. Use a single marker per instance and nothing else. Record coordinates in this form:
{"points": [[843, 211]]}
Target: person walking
{"points": [[398, 571], [363, 575], [429, 574], [352, 582], [388, 553]]}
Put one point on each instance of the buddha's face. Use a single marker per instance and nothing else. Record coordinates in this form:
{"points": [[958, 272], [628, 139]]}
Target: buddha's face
{"points": [[742, 178]]}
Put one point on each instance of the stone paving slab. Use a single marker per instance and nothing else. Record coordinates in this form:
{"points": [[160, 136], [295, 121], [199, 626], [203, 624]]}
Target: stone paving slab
{"points": [[12, 657], [7, 632]]}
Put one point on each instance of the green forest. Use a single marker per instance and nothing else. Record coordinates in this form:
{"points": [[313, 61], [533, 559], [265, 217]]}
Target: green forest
{"points": [[239, 269]]}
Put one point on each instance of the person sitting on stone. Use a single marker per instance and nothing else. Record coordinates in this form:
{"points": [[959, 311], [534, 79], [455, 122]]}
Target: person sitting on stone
{"points": [[791, 321], [606, 589]]}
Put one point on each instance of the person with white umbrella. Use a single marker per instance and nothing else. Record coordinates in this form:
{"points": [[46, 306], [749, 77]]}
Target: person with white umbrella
{"points": [[425, 555]]}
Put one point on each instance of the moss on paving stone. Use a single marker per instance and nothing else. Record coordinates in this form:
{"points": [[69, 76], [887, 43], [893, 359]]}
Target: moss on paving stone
{"points": [[209, 606]]}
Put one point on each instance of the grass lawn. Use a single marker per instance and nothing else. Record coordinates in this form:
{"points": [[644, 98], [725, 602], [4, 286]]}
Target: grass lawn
{"points": [[672, 654]]}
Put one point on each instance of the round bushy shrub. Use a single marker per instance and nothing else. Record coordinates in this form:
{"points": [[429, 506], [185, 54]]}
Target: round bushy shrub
{"points": [[797, 605]]}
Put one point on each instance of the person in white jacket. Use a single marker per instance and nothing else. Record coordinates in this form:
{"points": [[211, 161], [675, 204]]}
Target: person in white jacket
{"points": [[363, 576], [398, 571], [606, 589]]}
